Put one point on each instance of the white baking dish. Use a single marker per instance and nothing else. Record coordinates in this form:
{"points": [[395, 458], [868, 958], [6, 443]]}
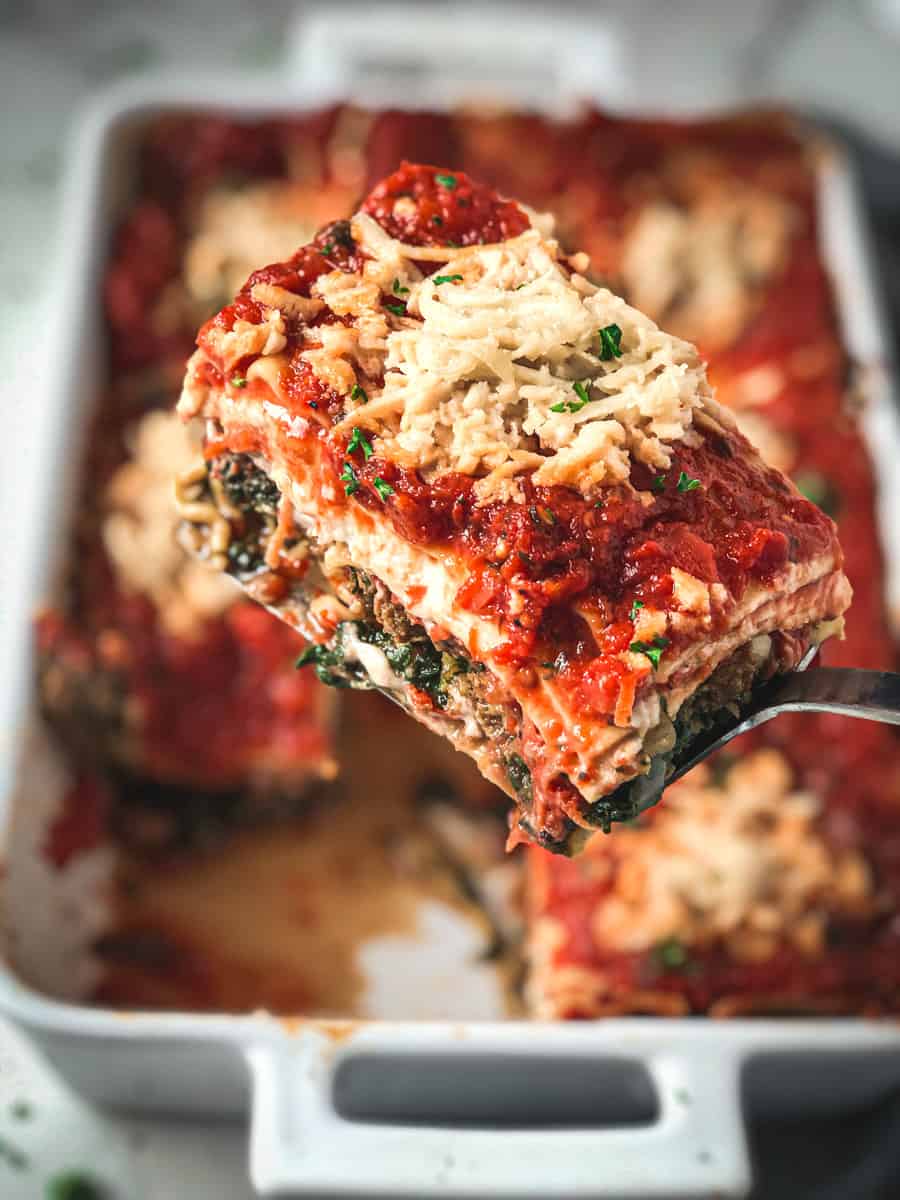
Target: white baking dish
{"points": [[288, 1074]]}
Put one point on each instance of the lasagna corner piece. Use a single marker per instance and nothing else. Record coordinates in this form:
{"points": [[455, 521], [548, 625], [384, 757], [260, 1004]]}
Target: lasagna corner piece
{"points": [[488, 487]]}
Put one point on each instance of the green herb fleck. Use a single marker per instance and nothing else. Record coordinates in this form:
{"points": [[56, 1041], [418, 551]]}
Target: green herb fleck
{"points": [[238, 381], [686, 484], [358, 394], [446, 181], [73, 1185], [398, 289], [446, 279], [358, 441], [671, 955], [313, 403], [610, 342], [582, 393], [541, 515], [399, 309], [437, 220], [658, 484], [636, 605], [382, 487], [574, 406], [328, 248], [653, 650], [350, 479]]}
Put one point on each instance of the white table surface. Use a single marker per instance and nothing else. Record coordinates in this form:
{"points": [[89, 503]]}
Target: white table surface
{"points": [[834, 58]]}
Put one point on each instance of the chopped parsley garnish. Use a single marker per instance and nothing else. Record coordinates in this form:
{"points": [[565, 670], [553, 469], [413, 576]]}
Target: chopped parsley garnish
{"points": [[358, 441], [238, 381], [636, 606], [382, 487], [358, 393], [582, 393], [399, 309], [610, 342], [437, 220], [446, 279], [446, 181], [574, 406], [398, 288], [350, 479], [541, 515], [671, 955], [328, 248], [658, 484], [313, 403], [653, 650], [686, 484]]}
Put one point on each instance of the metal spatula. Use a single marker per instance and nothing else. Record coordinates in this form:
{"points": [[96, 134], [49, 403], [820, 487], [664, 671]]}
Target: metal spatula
{"points": [[872, 695]]}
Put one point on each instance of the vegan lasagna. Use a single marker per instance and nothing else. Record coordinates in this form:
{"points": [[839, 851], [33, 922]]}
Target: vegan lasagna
{"points": [[484, 484], [752, 291]]}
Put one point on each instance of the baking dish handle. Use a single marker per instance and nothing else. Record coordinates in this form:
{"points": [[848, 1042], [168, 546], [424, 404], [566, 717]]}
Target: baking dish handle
{"points": [[431, 55], [300, 1144]]}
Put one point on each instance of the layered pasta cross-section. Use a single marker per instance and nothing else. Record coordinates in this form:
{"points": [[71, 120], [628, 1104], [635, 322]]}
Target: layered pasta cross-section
{"points": [[481, 482]]}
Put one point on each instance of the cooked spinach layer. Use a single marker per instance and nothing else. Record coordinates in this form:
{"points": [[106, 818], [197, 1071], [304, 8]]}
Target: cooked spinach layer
{"points": [[418, 661]]}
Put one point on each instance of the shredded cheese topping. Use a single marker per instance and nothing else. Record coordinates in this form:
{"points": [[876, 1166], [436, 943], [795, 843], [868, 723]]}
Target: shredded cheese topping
{"points": [[481, 360], [700, 268], [742, 863]]}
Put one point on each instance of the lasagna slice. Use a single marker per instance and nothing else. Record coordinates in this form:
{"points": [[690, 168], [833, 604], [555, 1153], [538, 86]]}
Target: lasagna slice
{"points": [[485, 485]]}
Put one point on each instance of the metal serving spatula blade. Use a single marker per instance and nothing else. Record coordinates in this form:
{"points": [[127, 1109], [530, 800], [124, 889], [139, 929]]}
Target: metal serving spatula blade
{"points": [[848, 691]]}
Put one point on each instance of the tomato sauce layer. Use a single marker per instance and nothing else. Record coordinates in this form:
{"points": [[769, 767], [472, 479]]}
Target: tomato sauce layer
{"points": [[717, 513]]}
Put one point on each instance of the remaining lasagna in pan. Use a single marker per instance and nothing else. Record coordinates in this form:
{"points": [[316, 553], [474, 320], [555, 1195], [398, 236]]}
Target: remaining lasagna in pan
{"points": [[154, 668], [487, 486]]}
